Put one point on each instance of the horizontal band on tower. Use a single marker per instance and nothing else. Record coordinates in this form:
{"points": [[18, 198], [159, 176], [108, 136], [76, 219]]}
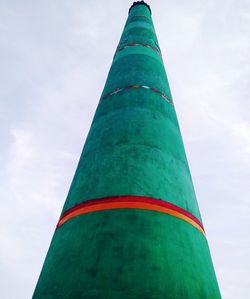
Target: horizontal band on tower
{"points": [[130, 202], [138, 17], [119, 89], [156, 50]]}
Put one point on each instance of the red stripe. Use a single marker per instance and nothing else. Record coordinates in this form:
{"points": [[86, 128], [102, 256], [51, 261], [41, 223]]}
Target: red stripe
{"points": [[138, 86], [155, 90], [134, 198], [136, 44]]}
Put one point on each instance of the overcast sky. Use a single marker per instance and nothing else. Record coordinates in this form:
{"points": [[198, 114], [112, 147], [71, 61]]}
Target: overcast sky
{"points": [[54, 58]]}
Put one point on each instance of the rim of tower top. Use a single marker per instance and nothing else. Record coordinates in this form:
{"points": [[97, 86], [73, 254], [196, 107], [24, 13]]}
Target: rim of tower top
{"points": [[140, 3]]}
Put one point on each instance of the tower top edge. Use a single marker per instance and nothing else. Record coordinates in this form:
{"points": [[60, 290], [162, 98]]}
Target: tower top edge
{"points": [[140, 3]]}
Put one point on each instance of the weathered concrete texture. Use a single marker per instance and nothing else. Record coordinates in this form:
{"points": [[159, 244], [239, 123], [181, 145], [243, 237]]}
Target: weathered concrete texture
{"points": [[134, 147]]}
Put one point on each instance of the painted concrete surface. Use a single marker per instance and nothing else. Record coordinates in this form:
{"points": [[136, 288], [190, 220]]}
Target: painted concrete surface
{"points": [[134, 147]]}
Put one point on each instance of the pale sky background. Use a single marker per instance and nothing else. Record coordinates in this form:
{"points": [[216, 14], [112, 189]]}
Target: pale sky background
{"points": [[54, 58]]}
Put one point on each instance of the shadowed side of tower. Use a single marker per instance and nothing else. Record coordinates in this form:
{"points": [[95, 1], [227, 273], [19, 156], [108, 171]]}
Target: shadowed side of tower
{"points": [[130, 226]]}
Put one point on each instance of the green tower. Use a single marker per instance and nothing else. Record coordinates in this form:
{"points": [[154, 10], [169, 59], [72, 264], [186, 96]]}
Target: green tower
{"points": [[130, 226]]}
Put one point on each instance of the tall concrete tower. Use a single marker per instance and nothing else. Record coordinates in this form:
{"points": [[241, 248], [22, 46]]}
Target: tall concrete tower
{"points": [[130, 226]]}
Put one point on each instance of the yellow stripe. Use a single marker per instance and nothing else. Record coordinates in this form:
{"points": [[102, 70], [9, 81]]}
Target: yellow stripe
{"points": [[129, 205]]}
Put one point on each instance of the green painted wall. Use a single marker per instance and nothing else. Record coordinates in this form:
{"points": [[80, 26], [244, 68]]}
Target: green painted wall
{"points": [[134, 147]]}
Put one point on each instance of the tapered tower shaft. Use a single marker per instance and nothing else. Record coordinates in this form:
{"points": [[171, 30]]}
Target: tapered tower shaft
{"points": [[131, 227]]}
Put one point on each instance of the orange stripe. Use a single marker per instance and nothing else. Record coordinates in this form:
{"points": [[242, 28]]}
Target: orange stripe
{"points": [[128, 205]]}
